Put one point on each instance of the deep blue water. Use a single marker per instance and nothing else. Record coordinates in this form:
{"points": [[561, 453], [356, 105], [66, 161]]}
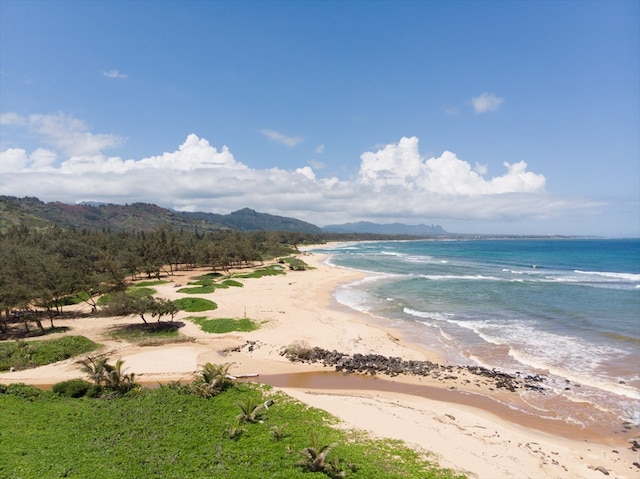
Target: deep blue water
{"points": [[569, 308]]}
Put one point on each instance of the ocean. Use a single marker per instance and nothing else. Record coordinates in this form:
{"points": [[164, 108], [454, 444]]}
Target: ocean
{"points": [[565, 308]]}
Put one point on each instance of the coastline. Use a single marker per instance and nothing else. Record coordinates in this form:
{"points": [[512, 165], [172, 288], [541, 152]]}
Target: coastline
{"points": [[475, 436]]}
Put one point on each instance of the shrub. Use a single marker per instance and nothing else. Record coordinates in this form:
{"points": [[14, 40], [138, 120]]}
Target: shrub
{"points": [[73, 388], [21, 390]]}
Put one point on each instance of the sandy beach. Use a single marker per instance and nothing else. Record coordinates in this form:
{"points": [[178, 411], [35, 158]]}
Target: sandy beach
{"points": [[461, 422]]}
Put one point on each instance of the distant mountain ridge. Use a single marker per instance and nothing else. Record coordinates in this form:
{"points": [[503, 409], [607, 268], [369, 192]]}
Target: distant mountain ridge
{"points": [[386, 229], [136, 217]]}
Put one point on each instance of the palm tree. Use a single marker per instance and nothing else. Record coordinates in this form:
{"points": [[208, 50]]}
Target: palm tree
{"points": [[315, 459], [213, 379], [252, 410], [116, 379], [107, 375], [95, 368]]}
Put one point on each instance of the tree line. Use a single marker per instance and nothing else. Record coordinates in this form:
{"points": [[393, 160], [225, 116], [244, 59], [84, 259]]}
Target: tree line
{"points": [[42, 269]]}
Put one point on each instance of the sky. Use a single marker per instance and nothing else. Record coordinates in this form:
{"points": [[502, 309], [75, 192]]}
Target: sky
{"points": [[505, 117]]}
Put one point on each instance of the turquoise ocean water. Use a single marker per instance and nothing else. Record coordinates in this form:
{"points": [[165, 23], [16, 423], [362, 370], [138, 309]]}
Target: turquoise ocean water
{"points": [[567, 308]]}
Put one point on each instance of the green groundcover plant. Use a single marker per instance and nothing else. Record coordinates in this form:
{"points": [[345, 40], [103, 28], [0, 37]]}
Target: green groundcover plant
{"points": [[28, 354], [245, 431], [223, 325]]}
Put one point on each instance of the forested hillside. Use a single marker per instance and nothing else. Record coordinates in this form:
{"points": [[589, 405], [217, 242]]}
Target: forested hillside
{"points": [[136, 217]]}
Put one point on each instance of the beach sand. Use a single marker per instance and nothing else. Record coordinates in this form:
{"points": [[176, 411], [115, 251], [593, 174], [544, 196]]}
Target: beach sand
{"points": [[461, 422]]}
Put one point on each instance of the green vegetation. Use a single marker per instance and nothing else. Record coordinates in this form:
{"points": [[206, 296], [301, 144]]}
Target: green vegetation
{"points": [[171, 432], [149, 334], [208, 285], [203, 286], [44, 270], [223, 325], [272, 270], [110, 380], [295, 264], [146, 284], [195, 305], [139, 301], [28, 354]]}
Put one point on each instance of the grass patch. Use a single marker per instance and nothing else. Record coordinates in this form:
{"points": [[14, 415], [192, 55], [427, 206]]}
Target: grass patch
{"points": [[271, 270], [208, 285], [143, 284], [30, 354], [168, 433], [296, 264], [135, 291], [224, 325], [195, 305], [136, 333]]}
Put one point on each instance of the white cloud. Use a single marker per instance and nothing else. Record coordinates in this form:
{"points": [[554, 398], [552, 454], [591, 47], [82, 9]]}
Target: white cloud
{"points": [[401, 165], [68, 134], [317, 164], [486, 102], [114, 74], [12, 119], [394, 183], [280, 138], [319, 150]]}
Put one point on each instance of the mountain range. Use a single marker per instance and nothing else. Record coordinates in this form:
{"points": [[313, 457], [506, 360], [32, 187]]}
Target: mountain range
{"points": [[34, 213]]}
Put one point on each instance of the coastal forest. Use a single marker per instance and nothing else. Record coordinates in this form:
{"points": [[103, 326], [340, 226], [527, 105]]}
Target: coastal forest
{"points": [[44, 268]]}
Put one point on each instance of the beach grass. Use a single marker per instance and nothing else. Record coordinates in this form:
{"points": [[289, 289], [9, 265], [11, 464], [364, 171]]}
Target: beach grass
{"points": [[168, 432]]}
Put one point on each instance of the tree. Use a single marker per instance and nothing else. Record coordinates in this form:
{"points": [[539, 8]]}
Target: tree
{"points": [[109, 376], [140, 303]]}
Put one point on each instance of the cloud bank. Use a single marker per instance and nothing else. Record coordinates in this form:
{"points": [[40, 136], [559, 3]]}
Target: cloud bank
{"points": [[394, 183]]}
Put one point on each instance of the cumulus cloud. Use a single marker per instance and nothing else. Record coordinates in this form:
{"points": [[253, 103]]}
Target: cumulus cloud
{"points": [[280, 138], [70, 135], [394, 182], [401, 165], [486, 102], [114, 74]]}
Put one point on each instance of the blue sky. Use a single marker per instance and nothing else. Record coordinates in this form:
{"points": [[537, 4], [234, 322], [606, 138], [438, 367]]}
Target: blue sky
{"points": [[483, 117]]}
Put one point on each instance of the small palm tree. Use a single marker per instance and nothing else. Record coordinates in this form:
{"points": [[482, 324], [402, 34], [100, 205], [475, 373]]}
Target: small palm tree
{"points": [[279, 432], [108, 375], [234, 430], [95, 368], [315, 459], [116, 379], [251, 410], [213, 379]]}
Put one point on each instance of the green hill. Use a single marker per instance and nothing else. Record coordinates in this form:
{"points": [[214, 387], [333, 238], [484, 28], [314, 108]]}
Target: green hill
{"points": [[35, 214]]}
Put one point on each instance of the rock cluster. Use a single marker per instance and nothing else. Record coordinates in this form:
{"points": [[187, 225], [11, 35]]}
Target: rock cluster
{"points": [[393, 366]]}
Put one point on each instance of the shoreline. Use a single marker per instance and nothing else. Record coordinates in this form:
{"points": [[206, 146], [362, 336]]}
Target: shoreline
{"points": [[470, 436]]}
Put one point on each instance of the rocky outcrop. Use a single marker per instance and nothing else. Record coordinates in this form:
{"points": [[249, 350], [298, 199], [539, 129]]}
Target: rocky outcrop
{"points": [[394, 366]]}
